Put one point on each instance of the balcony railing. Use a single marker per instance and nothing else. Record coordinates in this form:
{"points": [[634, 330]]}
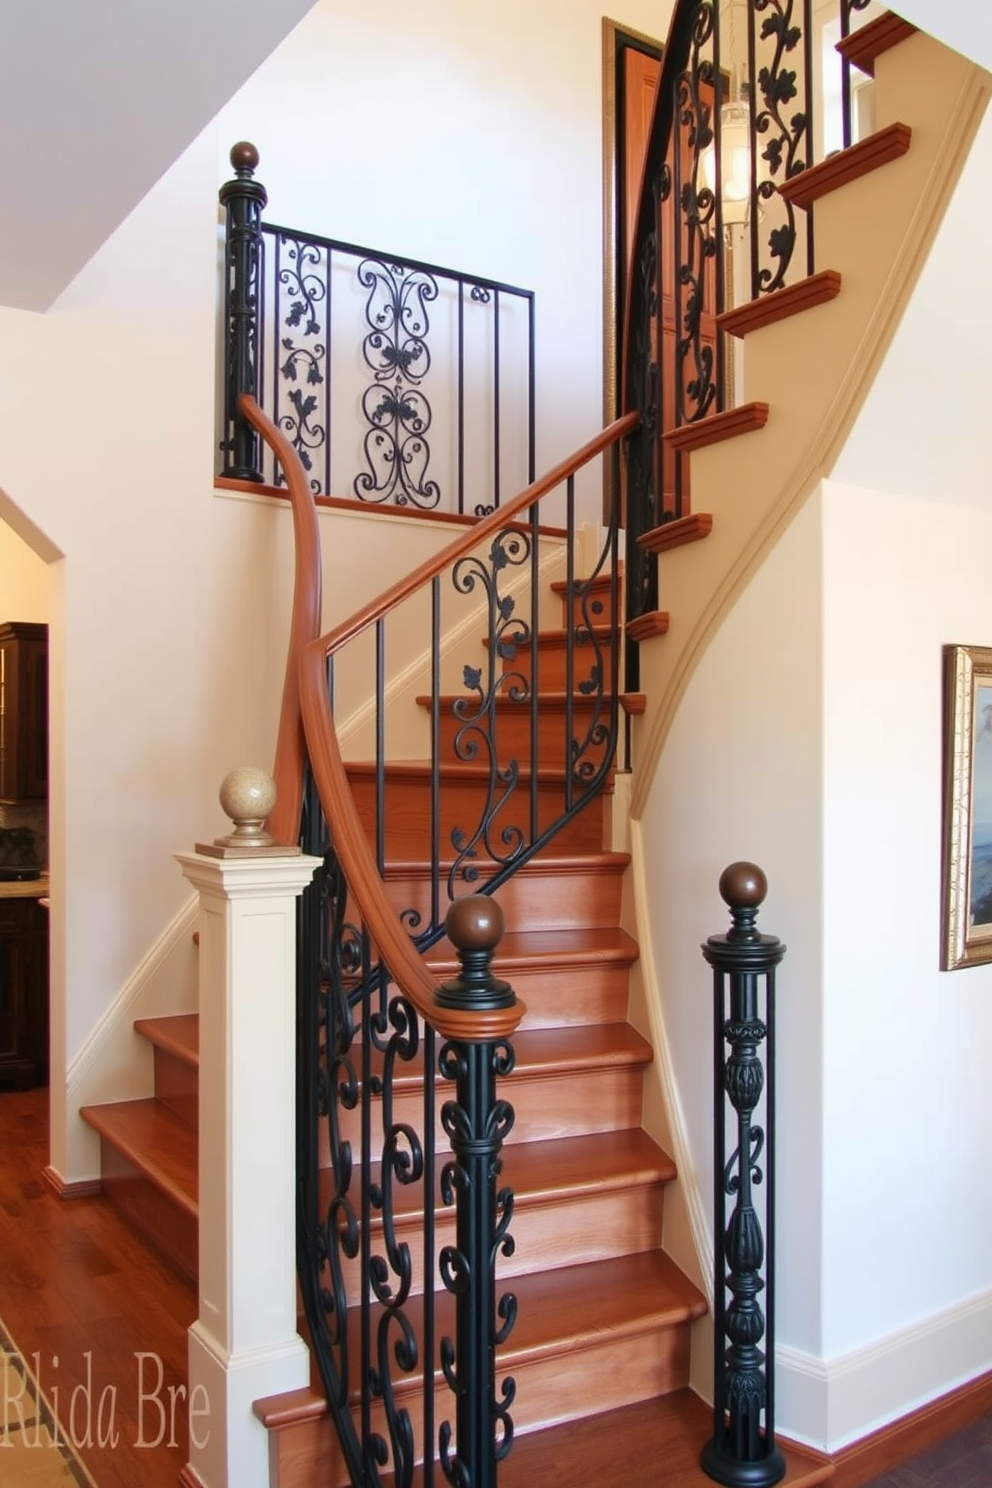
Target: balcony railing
{"points": [[396, 382]]}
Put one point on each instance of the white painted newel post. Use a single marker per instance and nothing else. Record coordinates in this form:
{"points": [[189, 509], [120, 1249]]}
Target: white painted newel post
{"points": [[244, 1344]]}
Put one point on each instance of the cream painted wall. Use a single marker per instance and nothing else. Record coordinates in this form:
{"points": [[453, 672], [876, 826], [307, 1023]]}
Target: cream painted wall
{"points": [[907, 1102], [740, 777], [466, 138], [23, 579]]}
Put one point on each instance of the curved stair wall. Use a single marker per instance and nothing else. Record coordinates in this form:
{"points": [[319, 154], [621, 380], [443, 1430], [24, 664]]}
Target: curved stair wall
{"points": [[813, 369]]}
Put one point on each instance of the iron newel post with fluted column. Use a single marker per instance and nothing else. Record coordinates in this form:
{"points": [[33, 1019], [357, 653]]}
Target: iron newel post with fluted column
{"points": [[243, 200], [742, 1452], [477, 1122]]}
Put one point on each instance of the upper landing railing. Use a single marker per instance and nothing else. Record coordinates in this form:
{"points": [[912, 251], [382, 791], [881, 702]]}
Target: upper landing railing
{"points": [[396, 382], [751, 95]]}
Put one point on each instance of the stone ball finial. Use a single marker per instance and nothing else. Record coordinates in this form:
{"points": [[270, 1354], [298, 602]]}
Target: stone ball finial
{"points": [[743, 886], [244, 157], [475, 923], [247, 795]]}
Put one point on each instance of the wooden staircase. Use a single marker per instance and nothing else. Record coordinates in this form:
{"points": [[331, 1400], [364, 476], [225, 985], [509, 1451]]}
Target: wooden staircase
{"points": [[600, 1351], [604, 1315]]}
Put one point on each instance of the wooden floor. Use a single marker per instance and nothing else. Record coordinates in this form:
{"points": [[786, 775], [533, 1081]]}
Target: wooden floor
{"points": [[82, 1291]]}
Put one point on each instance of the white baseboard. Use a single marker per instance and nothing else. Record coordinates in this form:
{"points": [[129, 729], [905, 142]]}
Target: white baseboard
{"points": [[827, 1404]]}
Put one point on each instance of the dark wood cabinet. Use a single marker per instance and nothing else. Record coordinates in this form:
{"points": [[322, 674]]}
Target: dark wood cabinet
{"points": [[23, 711], [23, 994]]}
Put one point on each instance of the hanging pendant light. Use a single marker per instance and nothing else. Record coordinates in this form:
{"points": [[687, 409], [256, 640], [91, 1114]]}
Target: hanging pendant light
{"points": [[735, 164]]}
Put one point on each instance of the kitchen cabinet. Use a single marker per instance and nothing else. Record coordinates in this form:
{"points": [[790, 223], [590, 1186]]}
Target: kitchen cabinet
{"points": [[23, 711], [23, 989]]}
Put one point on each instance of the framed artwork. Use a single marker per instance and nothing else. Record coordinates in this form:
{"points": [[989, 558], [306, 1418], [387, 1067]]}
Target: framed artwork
{"points": [[966, 924]]}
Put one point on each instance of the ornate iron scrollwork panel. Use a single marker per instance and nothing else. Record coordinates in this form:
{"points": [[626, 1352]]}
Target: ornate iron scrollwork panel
{"points": [[398, 413]]}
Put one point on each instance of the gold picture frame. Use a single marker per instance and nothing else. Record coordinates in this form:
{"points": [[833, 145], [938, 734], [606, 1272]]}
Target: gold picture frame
{"points": [[966, 925]]}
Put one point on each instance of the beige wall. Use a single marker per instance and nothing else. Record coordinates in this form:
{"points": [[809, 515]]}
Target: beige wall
{"points": [[23, 579]]}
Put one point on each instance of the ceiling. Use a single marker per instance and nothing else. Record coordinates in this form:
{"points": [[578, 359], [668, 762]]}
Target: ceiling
{"points": [[97, 100], [965, 25]]}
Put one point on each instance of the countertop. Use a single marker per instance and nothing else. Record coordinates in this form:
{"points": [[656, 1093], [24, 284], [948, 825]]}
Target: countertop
{"points": [[31, 888]]}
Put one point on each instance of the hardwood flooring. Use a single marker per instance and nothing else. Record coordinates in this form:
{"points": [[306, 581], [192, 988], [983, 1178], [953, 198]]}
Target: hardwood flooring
{"points": [[79, 1289]]}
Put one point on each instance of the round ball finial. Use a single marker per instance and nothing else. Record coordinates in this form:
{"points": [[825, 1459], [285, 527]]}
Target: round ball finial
{"points": [[475, 923], [244, 157], [248, 795], [743, 886]]}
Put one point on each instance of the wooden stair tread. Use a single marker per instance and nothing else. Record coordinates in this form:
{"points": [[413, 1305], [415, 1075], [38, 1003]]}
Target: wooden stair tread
{"points": [[455, 770], [590, 586], [767, 309], [600, 1303], [558, 637], [688, 529], [869, 41], [651, 623], [540, 1052], [156, 1142], [626, 1446], [869, 154], [178, 1035], [550, 1171], [549, 702], [538, 867], [745, 419], [521, 949]]}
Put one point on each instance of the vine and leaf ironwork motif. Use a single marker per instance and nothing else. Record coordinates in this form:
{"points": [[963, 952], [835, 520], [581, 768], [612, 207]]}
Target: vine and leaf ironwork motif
{"points": [[302, 290], [476, 715], [696, 238], [395, 407], [784, 137]]}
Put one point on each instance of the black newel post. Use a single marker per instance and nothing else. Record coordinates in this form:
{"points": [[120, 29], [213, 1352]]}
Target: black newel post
{"points": [[742, 1452], [476, 1123], [243, 199]]}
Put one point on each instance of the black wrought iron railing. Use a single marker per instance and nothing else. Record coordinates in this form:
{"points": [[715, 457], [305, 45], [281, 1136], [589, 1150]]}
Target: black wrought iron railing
{"points": [[512, 757], [397, 382], [392, 1062], [751, 95]]}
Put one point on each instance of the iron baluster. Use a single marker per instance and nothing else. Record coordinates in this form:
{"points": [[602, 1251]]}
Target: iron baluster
{"points": [[783, 120], [742, 1452], [496, 390], [477, 1123], [847, 9], [243, 200], [301, 287]]}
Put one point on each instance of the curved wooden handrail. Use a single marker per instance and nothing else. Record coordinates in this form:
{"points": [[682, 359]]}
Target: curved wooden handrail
{"points": [[290, 760], [673, 60], [459, 546], [407, 967]]}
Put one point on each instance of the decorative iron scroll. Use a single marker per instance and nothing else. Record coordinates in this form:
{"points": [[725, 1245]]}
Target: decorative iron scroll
{"points": [[780, 60], [398, 413], [336, 342], [303, 280], [362, 1144]]}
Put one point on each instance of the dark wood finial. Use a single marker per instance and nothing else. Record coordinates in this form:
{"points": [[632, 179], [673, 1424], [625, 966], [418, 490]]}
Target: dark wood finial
{"points": [[475, 923], [475, 928], [244, 158], [743, 886]]}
